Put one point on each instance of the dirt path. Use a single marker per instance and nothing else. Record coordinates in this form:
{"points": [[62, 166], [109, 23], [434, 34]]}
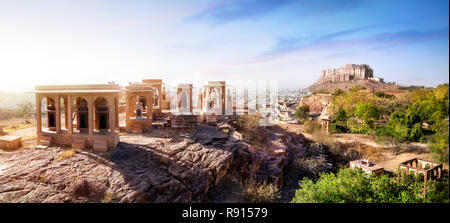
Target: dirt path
{"points": [[25, 132]]}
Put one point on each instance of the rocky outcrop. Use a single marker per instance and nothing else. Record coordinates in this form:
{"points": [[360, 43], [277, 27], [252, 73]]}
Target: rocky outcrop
{"points": [[168, 166], [161, 166], [267, 164], [347, 85], [316, 102]]}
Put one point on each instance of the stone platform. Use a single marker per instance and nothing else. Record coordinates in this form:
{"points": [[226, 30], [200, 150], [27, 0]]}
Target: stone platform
{"points": [[10, 142]]}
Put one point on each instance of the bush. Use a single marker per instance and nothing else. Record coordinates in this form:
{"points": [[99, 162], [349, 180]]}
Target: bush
{"points": [[312, 126], [355, 186], [247, 122], [302, 112], [338, 92], [335, 128], [261, 192], [384, 95], [248, 126]]}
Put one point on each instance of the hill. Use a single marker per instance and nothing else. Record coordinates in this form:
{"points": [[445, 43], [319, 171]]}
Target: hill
{"points": [[347, 85]]}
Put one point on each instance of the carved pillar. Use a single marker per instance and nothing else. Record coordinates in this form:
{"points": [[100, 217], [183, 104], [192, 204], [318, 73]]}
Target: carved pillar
{"points": [[149, 99], [69, 114], [66, 114], [223, 99], [116, 103], [57, 113], [38, 115], [127, 108], [133, 105], [112, 114], [190, 99], [90, 115]]}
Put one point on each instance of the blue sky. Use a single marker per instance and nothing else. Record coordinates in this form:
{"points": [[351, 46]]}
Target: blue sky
{"points": [[60, 42]]}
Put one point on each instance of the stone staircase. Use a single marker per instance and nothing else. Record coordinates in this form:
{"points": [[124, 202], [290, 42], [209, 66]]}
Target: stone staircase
{"points": [[161, 120], [78, 143], [45, 140], [211, 120], [100, 145]]}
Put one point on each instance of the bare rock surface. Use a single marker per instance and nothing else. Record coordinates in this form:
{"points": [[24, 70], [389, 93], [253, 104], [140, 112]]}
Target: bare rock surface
{"points": [[164, 166], [161, 166]]}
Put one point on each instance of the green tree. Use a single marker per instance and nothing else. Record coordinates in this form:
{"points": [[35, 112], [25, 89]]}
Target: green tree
{"points": [[302, 113], [341, 116], [367, 112], [338, 92], [355, 186]]}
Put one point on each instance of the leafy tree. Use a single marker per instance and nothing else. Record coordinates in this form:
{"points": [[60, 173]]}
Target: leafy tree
{"points": [[367, 112], [341, 116], [355, 186], [302, 112], [338, 92], [439, 141]]}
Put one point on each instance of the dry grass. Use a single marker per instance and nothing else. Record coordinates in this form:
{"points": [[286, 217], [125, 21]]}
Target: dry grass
{"points": [[261, 192], [374, 153], [28, 138], [248, 126], [110, 197], [67, 154], [18, 126]]}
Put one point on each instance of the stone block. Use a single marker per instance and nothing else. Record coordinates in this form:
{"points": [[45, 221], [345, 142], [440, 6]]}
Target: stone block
{"points": [[10, 142]]}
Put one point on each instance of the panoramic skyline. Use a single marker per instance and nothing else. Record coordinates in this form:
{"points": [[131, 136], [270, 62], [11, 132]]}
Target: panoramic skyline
{"points": [[68, 42]]}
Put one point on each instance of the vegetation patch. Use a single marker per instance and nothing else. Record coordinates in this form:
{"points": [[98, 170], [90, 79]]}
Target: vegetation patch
{"points": [[248, 126], [261, 192], [354, 186], [67, 154], [420, 115], [14, 127], [110, 197]]}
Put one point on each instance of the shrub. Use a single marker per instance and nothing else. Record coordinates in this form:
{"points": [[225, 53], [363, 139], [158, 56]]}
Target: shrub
{"points": [[302, 112], [338, 92], [246, 122], [67, 154], [355, 186], [384, 95], [260, 192], [248, 126], [312, 126], [341, 116], [335, 128]]}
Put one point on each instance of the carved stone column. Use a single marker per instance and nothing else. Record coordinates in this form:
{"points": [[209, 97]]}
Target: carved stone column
{"points": [[38, 115], [69, 114], [128, 108], [112, 114], [57, 113], [91, 115]]}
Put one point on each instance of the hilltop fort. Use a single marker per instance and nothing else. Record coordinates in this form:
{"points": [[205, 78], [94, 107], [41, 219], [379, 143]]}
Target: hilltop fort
{"points": [[347, 73], [347, 77]]}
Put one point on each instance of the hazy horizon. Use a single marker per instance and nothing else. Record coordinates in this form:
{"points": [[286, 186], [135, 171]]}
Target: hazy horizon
{"points": [[84, 42]]}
